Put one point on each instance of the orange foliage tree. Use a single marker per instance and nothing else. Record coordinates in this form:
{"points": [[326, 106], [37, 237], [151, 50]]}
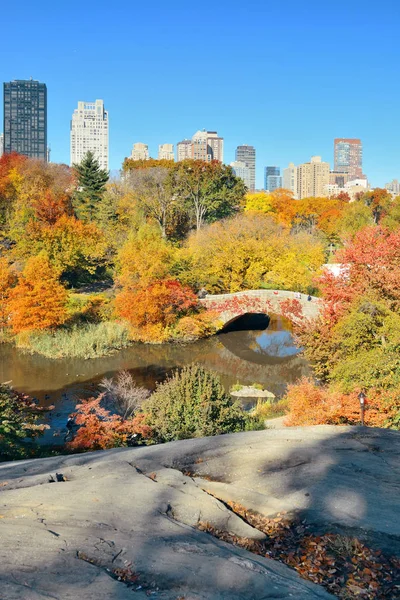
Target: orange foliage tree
{"points": [[99, 429], [162, 302], [38, 301], [7, 281]]}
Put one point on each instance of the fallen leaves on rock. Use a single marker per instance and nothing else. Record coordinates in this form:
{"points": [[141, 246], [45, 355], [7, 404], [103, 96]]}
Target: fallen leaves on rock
{"points": [[343, 565]]}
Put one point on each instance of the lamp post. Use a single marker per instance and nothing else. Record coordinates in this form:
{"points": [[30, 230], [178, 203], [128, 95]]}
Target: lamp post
{"points": [[362, 397]]}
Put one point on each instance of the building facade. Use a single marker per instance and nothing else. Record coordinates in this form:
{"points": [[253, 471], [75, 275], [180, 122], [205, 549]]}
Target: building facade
{"points": [[393, 187], [272, 179], [184, 150], [166, 152], [241, 170], [289, 179], [25, 118], [204, 145], [140, 151], [247, 155], [348, 157], [1, 143], [312, 178], [89, 132]]}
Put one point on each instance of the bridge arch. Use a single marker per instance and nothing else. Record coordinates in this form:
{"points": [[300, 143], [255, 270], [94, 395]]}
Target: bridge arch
{"points": [[229, 307]]}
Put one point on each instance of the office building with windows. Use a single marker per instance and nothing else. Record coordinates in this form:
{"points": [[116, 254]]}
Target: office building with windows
{"points": [[247, 155], [241, 170], [289, 179], [166, 152], [89, 131], [348, 156], [25, 118], [272, 179], [140, 151], [312, 178]]}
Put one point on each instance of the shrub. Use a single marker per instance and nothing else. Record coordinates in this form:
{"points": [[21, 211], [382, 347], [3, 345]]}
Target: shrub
{"points": [[100, 430], [270, 409], [309, 404], [18, 420], [123, 394], [192, 403]]}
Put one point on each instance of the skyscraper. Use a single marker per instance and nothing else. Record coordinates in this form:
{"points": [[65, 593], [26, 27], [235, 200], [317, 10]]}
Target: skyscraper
{"points": [[312, 178], [241, 170], [166, 152], [348, 157], [289, 180], [247, 155], [25, 118], [272, 179], [89, 131], [140, 151]]}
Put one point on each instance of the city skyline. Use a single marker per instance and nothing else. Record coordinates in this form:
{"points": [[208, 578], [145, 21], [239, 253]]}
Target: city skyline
{"points": [[315, 91]]}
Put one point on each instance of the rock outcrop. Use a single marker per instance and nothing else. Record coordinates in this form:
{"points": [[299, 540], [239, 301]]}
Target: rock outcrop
{"points": [[130, 513]]}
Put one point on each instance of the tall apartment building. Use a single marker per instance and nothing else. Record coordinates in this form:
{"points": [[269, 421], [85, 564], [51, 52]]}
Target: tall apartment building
{"points": [[140, 151], [312, 178], [204, 145], [166, 152], [241, 170], [1, 143], [289, 179], [348, 157], [272, 179], [393, 187], [25, 118], [89, 131], [247, 155], [184, 150]]}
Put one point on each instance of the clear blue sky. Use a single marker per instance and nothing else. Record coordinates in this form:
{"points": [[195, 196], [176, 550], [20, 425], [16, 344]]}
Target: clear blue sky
{"points": [[286, 77]]}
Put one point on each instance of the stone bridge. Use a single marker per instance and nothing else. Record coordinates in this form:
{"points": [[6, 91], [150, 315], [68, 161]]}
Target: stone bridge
{"points": [[232, 306]]}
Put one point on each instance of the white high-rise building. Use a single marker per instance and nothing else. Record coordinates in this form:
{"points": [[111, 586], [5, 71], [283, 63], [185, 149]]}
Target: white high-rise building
{"points": [[166, 152], [312, 178], [243, 171], [247, 155], [140, 151], [89, 131], [289, 179]]}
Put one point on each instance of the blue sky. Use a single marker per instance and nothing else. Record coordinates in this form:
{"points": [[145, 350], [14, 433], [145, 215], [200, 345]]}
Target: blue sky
{"points": [[286, 77]]}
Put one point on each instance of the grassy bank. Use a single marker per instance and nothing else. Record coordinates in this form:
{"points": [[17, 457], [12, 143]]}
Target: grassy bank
{"points": [[85, 341]]}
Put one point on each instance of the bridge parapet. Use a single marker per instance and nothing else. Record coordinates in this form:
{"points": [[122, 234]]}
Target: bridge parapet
{"points": [[286, 303]]}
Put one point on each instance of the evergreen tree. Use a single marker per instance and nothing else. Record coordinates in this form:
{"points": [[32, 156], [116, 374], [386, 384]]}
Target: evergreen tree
{"points": [[91, 186]]}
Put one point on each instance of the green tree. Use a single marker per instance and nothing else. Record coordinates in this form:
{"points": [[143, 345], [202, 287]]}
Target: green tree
{"points": [[192, 403], [210, 191], [91, 182]]}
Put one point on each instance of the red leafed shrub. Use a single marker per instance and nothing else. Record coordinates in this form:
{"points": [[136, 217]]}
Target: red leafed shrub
{"points": [[310, 404], [161, 303], [100, 430]]}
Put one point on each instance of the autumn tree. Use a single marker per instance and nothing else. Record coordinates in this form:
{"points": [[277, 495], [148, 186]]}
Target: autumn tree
{"points": [[7, 280], [75, 249], [38, 301], [160, 303], [210, 191], [154, 190], [91, 182]]}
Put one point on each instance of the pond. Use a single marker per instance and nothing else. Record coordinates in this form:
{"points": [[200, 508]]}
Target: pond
{"points": [[251, 350]]}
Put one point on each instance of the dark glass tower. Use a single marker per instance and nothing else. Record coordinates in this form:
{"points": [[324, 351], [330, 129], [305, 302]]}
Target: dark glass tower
{"points": [[25, 118]]}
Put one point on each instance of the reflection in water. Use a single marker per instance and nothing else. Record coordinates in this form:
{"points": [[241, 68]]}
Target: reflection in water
{"points": [[268, 357]]}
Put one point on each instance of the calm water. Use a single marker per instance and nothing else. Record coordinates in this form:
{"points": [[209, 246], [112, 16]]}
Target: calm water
{"points": [[267, 356]]}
